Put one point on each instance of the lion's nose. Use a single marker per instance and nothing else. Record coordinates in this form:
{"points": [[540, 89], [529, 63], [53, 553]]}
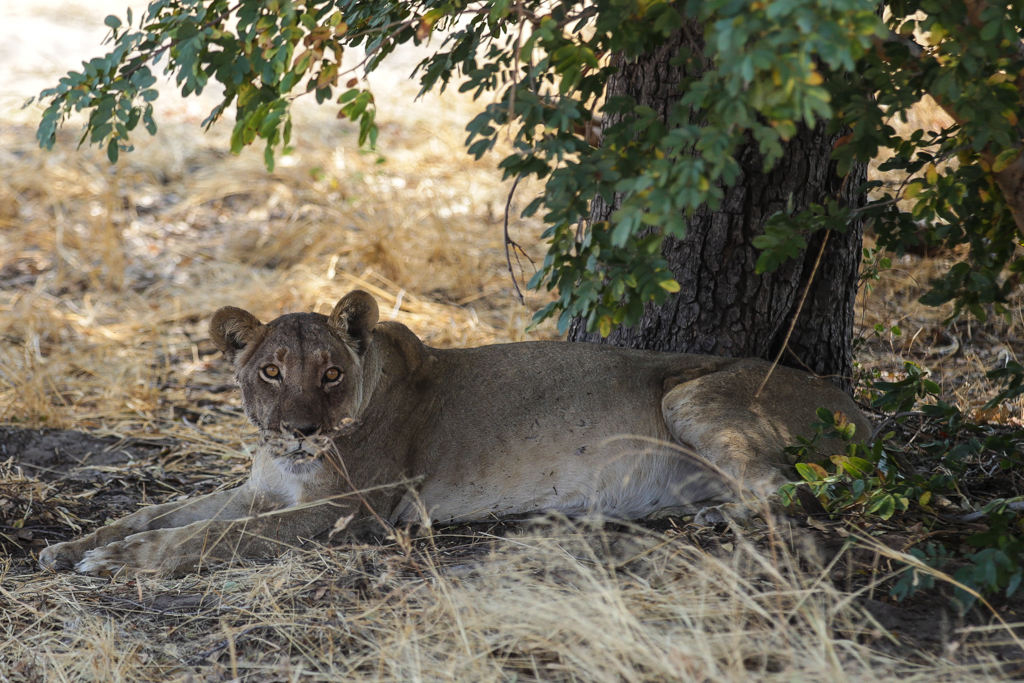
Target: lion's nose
{"points": [[306, 429]]}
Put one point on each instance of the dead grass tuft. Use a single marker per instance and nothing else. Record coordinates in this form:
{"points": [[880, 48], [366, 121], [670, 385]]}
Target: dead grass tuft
{"points": [[560, 602]]}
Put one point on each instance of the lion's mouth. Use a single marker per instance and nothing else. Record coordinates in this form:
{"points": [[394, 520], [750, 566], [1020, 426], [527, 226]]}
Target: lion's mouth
{"points": [[298, 450]]}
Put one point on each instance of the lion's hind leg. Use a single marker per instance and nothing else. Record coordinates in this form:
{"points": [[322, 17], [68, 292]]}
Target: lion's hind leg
{"points": [[715, 431], [719, 416], [742, 428]]}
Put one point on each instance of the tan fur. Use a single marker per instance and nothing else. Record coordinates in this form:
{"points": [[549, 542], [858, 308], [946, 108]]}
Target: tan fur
{"points": [[409, 433]]}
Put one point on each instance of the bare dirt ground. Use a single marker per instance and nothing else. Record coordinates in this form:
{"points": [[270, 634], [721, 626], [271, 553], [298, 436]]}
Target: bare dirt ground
{"points": [[112, 397]]}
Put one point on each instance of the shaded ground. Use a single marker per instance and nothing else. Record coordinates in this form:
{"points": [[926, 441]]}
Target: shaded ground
{"points": [[61, 454], [72, 482], [57, 484]]}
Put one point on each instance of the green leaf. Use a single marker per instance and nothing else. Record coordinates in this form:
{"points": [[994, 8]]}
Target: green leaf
{"points": [[884, 506], [669, 286], [1005, 158], [807, 472], [858, 467], [1014, 582], [268, 157]]}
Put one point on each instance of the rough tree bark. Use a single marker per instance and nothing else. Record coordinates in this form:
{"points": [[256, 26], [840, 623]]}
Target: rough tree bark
{"points": [[724, 308]]}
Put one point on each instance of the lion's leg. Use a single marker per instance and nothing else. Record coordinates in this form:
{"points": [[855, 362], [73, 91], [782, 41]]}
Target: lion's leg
{"points": [[743, 428], [232, 504], [727, 435], [176, 551]]}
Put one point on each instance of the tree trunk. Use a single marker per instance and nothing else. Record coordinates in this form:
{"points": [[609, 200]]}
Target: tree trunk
{"points": [[724, 308]]}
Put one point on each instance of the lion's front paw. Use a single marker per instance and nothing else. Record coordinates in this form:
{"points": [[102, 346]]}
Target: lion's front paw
{"points": [[741, 513], [60, 557], [110, 558], [711, 516], [138, 553]]}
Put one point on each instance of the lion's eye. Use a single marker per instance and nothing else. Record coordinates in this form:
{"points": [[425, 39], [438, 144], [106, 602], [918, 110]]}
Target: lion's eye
{"points": [[271, 371], [332, 375]]}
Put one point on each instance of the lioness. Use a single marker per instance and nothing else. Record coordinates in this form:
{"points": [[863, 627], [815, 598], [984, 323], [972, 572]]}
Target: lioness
{"points": [[359, 418]]}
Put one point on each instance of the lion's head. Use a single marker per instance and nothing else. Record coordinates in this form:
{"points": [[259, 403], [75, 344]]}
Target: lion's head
{"points": [[301, 375]]}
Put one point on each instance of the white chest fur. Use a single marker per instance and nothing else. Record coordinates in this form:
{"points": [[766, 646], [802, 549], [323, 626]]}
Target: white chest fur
{"points": [[280, 478]]}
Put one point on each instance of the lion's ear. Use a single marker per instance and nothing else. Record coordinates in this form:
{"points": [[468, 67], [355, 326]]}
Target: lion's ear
{"points": [[355, 315], [232, 329]]}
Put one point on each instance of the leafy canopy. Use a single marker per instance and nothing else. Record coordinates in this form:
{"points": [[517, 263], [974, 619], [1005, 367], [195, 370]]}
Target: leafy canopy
{"points": [[768, 67]]}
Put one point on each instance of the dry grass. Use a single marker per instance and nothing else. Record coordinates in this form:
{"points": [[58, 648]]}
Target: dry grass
{"points": [[118, 269], [560, 603], [960, 355], [107, 279]]}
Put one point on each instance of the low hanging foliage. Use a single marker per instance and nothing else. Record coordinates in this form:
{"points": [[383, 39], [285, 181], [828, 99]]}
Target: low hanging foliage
{"points": [[545, 63], [869, 480]]}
